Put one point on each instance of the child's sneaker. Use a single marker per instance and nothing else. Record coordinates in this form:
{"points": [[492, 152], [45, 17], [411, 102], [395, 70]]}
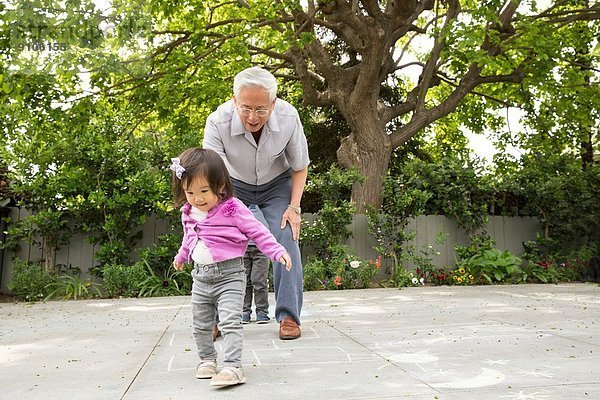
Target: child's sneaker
{"points": [[206, 369], [245, 318], [262, 318], [228, 376]]}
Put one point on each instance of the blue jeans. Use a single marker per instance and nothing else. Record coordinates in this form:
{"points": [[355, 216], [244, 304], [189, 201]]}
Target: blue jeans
{"points": [[273, 199], [219, 286]]}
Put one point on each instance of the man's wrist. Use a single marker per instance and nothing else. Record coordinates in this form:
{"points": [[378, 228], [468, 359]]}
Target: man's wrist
{"points": [[295, 209]]}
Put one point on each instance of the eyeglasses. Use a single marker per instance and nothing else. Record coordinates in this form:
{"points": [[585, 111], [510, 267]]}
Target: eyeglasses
{"points": [[260, 112]]}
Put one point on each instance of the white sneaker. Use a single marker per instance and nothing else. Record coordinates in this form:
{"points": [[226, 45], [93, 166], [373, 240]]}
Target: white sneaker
{"points": [[228, 376], [206, 369]]}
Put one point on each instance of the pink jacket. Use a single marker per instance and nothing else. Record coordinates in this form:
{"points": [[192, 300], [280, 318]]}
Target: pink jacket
{"points": [[226, 231]]}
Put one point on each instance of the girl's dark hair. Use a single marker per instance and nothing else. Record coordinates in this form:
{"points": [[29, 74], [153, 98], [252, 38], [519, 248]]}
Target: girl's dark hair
{"points": [[205, 163]]}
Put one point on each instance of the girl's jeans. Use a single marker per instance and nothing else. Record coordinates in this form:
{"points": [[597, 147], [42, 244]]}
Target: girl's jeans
{"points": [[219, 286]]}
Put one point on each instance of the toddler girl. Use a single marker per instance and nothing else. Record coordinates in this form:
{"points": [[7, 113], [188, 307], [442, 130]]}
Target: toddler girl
{"points": [[216, 230]]}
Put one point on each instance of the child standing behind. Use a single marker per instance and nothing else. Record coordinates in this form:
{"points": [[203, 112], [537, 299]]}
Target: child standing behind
{"points": [[216, 230], [257, 282]]}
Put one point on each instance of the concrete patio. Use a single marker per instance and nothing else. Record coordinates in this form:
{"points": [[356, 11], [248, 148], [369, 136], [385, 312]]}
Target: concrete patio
{"points": [[483, 342]]}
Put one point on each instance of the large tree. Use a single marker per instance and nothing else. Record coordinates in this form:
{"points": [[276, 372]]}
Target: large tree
{"points": [[468, 44]]}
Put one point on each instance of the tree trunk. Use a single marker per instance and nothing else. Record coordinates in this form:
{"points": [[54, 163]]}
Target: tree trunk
{"points": [[48, 251], [371, 158]]}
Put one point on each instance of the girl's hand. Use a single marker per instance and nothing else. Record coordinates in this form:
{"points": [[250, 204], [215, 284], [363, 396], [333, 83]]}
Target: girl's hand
{"points": [[285, 259], [177, 266]]}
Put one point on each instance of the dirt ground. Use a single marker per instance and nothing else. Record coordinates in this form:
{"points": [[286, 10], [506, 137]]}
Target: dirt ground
{"points": [[5, 298]]}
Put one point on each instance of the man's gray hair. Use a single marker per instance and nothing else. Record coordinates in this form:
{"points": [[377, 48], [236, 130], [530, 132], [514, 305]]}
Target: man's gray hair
{"points": [[255, 77]]}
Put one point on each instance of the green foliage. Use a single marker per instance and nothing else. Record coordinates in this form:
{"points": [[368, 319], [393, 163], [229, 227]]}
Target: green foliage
{"points": [[325, 131], [493, 266], [99, 159], [314, 275], [92, 170], [423, 261], [456, 188], [123, 280], [29, 281], [328, 229], [388, 224], [341, 271], [170, 283], [159, 256], [402, 278], [47, 224], [330, 271], [552, 185], [548, 272], [478, 245], [72, 287], [565, 266], [335, 271], [367, 271], [324, 128], [327, 235]]}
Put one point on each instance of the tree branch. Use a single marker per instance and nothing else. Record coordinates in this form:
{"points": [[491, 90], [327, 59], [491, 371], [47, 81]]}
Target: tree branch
{"points": [[372, 8], [567, 16], [428, 71]]}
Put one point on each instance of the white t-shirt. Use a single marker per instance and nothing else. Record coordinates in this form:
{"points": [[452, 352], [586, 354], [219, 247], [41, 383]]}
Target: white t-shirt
{"points": [[200, 254]]}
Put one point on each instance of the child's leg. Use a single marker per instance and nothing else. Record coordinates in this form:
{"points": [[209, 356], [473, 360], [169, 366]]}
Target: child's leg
{"points": [[248, 267], [260, 284], [203, 315], [229, 291]]}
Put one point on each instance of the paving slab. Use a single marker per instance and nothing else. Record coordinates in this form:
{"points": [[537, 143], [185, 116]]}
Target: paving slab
{"points": [[481, 342]]}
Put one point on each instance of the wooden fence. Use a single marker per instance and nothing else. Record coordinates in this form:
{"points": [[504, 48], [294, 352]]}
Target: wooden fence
{"points": [[509, 233]]}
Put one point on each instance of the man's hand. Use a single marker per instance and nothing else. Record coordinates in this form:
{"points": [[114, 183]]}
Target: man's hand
{"points": [[293, 218]]}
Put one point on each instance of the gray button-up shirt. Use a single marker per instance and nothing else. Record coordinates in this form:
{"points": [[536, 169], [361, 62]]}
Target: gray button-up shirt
{"points": [[282, 143]]}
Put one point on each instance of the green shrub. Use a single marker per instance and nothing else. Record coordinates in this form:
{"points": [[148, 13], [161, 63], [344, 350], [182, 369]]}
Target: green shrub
{"points": [[339, 270], [479, 244], [314, 275], [493, 266], [367, 271], [327, 235], [388, 224], [170, 282], [122, 280], [423, 260], [159, 256], [402, 278], [72, 287], [29, 281]]}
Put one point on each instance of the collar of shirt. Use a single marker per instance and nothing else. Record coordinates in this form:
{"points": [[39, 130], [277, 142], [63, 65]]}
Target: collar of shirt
{"points": [[197, 213]]}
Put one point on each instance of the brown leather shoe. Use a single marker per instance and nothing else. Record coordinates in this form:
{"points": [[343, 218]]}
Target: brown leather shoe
{"points": [[288, 329]]}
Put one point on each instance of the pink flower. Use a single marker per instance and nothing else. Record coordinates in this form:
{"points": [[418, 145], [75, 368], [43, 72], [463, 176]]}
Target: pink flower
{"points": [[229, 209]]}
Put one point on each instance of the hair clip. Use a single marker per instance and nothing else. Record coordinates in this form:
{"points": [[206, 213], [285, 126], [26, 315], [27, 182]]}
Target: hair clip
{"points": [[176, 167]]}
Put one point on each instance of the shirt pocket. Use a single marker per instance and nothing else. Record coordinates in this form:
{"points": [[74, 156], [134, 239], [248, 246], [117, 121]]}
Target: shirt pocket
{"points": [[278, 154]]}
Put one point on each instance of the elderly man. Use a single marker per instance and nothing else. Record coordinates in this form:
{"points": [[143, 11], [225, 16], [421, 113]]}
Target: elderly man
{"points": [[262, 141]]}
